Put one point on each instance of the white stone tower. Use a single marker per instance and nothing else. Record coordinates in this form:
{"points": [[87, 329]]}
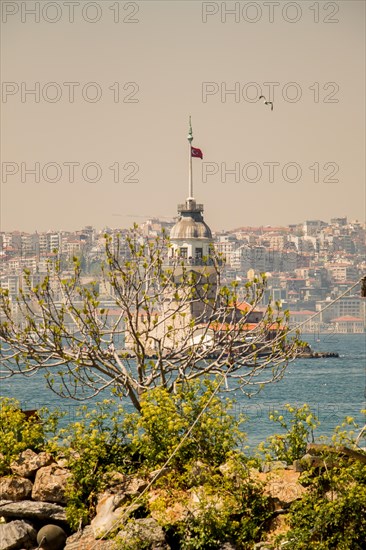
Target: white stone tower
{"points": [[192, 241]]}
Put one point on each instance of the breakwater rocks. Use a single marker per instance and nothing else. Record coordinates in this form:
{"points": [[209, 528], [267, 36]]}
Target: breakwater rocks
{"points": [[317, 354], [33, 515]]}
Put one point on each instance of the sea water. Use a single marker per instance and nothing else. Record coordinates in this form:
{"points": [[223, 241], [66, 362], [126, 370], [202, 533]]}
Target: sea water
{"points": [[333, 387]]}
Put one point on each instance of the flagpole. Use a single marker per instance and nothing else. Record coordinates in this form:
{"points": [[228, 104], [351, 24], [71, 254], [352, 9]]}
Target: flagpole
{"points": [[190, 182]]}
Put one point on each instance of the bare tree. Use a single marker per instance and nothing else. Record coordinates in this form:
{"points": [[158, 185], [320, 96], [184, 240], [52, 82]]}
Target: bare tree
{"points": [[177, 321]]}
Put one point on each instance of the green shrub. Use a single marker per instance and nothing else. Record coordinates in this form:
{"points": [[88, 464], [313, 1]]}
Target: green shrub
{"points": [[332, 514], [17, 433], [299, 429], [166, 417], [93, 446], [232, 508]]}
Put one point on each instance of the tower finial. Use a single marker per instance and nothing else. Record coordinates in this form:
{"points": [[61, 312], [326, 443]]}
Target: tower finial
{"points": [[190, 180], [190, 135]]}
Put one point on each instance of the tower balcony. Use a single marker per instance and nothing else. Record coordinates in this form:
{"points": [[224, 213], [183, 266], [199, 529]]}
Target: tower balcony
{"points": [[190, 206], [177, 261]]}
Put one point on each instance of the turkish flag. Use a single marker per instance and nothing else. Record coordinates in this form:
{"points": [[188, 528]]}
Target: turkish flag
{"points": [[197, 153]]}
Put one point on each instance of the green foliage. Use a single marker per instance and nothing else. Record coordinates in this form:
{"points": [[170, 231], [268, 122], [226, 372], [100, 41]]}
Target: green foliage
{"points": [[93, 446], [231, 507], [345, 433], [17, 433], [332, 514], [166, 417], [299, 425], [228, 504]]}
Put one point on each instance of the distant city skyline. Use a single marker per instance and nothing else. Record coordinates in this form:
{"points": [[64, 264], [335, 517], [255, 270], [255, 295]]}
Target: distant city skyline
{"points": [[140, 221], [96, 98]]}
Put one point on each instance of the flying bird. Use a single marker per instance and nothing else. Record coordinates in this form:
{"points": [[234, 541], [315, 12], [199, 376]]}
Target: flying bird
{"points": [[266, 102]]}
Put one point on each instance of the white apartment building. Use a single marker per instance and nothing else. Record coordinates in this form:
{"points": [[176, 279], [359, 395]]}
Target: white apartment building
{"points": [[353, 306]]}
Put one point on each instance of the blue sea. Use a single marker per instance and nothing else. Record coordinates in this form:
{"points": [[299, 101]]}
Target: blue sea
{"points": [[333, 387]]}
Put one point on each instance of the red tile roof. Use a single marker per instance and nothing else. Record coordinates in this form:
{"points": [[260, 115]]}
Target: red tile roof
{"points": [[347, 319], [302, 312]]}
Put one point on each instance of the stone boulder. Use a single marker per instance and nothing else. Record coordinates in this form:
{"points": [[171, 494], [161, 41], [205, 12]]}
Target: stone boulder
{"points": [[134, 486], [17, 534], [15, 488], [29, 462], [85, 540], [108, 514], [51, 537], [282, 486], [121, 483], [50, 484], [28, 509], [142, 533], [121, 489]]}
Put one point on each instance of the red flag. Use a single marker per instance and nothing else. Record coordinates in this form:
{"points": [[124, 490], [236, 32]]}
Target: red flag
{"points": [[196, 153]]}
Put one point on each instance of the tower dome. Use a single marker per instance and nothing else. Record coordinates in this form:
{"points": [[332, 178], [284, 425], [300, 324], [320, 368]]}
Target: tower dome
{"points": [[191, 224], [190, 236]]}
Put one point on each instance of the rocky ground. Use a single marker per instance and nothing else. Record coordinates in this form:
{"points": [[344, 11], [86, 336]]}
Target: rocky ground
{"points": [[32, 506]]}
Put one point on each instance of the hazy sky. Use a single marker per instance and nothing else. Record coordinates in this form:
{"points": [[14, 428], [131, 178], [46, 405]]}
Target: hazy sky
{"points": [[114, 83]]}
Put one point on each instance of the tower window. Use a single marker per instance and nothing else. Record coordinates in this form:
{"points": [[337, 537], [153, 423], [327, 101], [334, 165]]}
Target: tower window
{"points": [[198, 254], [183, 252]]}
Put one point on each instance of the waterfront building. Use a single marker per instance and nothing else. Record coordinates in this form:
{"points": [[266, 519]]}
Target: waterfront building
{"points": [[348, 325]]}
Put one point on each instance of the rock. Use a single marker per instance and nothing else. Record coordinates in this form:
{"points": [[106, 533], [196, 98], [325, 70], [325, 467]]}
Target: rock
{"points": [[274, 465], [135, 486], [121, 483], [86, 541], [283, 485], [17, 534], [15, 488], [106, 519], [142, 533], [108, 511], [297, 466], [64, 461], [227, 470], [51, 537], [168, 507], [28, 509], [29, 462], [338, 451], [50, 484], [114, 479]]}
